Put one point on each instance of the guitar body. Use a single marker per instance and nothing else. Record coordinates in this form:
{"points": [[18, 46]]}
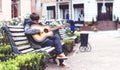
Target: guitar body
{"points": [[46, 32]]}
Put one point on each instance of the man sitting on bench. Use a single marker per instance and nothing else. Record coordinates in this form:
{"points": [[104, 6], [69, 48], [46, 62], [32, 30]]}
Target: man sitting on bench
{"points": [[39, 33]]}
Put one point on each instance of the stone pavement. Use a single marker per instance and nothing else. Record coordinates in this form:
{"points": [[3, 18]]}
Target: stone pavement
{"points": [[105, 53]]}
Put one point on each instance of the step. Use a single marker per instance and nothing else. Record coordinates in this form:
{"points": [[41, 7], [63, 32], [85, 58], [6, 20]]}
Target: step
{"points": [[106, 25]]}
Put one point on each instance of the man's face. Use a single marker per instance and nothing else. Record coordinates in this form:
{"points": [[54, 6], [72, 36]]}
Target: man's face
{"points": [[35, 21]]}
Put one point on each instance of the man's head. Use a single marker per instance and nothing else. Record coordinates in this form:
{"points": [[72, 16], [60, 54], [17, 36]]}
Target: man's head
{"points": [[34, 17]]}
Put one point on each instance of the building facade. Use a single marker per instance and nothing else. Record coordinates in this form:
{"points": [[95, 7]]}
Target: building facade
{"points": [[14, 8], [5, 10], [78, 10], [81, 10]]}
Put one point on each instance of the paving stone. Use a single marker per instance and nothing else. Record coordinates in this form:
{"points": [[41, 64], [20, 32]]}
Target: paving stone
{"points": [[105, 54]]}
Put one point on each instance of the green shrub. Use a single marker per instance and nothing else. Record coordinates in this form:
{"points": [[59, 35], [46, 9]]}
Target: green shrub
{"points": [[5, 49], [91, 24], [4, 57], [77, 34], [70, 34], [31, 61], [67, 41], [5, 52], [68, 46], [117, 20]]}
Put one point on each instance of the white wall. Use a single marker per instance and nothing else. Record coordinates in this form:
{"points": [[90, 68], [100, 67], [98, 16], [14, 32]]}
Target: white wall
{"points": [[116, 9], [76, 2], [90, 10], [44, 8], [5, 15], [25, 8]]}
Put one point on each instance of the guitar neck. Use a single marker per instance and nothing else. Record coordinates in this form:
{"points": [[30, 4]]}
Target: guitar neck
{"points": [[59, 27], [55, 28]]}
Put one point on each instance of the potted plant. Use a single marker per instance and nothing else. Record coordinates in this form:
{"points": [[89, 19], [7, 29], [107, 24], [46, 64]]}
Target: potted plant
{"points": [[118, 22]]}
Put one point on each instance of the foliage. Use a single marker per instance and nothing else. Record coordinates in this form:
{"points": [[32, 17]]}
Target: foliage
{"points": [[68, 46], [67, 30], [67, 41], [27, 16], [15, 21], [93, 20], [5, 52], [5, 49], [91, 24], [44, 20], [76, 34], [3, 36], [117, 20], [54, 23], [31, 61]]}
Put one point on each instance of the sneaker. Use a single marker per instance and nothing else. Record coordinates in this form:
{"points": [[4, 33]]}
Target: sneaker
{"points": [[61, 56], [64, 65]]}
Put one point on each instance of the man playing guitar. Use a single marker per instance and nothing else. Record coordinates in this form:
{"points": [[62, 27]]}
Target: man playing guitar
{"points": [[34, 30]]}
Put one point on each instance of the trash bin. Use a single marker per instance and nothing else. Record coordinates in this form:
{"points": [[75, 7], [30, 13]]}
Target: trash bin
{"points": [[84, 44], [84, 39]]}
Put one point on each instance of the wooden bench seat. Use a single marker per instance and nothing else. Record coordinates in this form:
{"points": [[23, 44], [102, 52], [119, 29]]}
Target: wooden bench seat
{"points": [[19, 42]]}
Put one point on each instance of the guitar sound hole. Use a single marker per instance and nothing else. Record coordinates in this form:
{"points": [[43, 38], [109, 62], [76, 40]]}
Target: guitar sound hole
{"points": [[46, 30]]}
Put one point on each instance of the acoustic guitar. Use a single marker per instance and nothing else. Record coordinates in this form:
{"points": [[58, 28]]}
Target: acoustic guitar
{"points": [[45, 31]]}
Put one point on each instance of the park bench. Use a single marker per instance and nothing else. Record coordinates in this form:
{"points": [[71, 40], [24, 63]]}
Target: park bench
{"points": [[64, 35], [20, 43], [68, 41]]}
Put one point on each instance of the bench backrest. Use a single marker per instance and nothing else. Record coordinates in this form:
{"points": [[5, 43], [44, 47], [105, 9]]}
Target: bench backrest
{"points": [[64, 36], [19, 41]]}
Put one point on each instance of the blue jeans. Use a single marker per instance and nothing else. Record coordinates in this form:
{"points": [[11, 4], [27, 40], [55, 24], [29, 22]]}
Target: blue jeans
{"points": [[55, 42]]}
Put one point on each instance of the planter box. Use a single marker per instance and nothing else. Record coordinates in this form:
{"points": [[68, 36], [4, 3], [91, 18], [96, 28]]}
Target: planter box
{"points": [[68, 47]]}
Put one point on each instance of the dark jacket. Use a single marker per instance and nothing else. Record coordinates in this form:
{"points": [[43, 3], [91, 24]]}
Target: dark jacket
{"points": [[29, 32]]}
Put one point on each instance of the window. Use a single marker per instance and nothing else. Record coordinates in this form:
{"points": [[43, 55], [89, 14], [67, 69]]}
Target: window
{"points": [[51, 12], [78, 12], [64, 11]]}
